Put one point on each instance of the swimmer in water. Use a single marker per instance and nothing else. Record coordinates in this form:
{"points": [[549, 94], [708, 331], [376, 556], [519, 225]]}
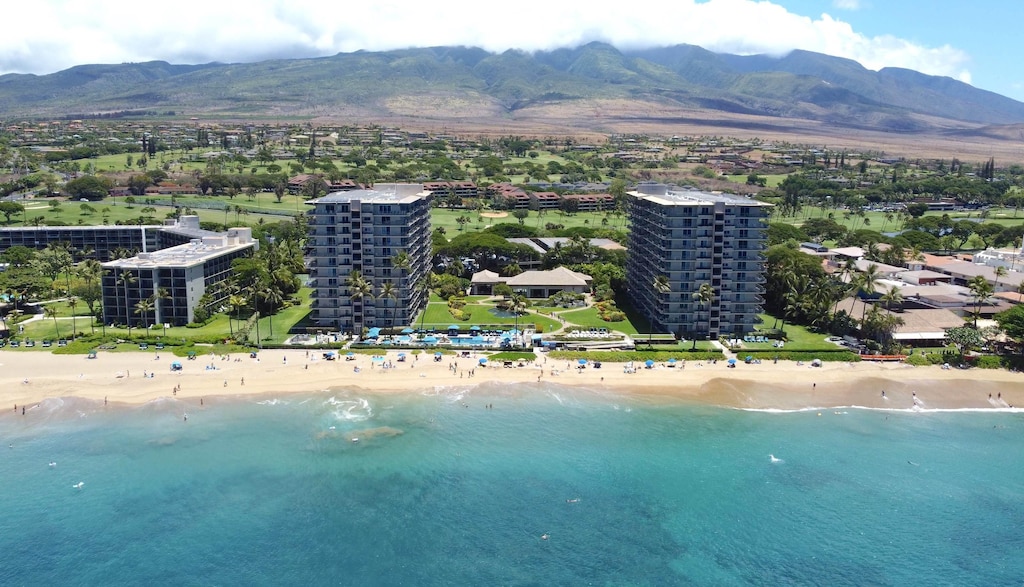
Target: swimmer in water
{"points": [[544, 536]]}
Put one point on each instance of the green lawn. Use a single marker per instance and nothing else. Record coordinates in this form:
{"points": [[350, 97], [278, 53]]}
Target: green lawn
{"points": [[773, 179], [798, 338], [115, 210], [276, 329], [890, 221], [445, 218], [217, 328], [438, 317], [588, 318]]}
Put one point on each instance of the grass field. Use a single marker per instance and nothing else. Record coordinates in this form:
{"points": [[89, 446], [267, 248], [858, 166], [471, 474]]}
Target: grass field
{"points": [[891, 222], [115, 210], [588, 318], [445, 218], [773, 180]]}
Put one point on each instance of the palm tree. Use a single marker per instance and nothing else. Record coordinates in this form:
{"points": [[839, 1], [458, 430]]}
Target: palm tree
{"points": [[403, 263], [661, 286], [359, 289], [705, 296], [143, 307], [72, 302], [51, 312], [160, 295], [981, 289], [1000, 273], [423, 286], [893, 296], [91, 272], [518, 305], [796, 300], [237, 301], [126, 278], [866, 283], [272, 296], [388, 291]]}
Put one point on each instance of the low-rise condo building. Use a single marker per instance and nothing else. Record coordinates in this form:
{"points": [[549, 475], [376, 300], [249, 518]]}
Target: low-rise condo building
{"points": [[173, 280]]}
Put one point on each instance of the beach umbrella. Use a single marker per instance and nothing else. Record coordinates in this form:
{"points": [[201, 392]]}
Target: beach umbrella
{"points": [[474, 328], [732, 361], [429, 339], [407, 330], [348, 354], [649, 363], [583, 361], [483, 360], [175, 364], [672, 361], [401, 355], [453, 327], [437, 354]]}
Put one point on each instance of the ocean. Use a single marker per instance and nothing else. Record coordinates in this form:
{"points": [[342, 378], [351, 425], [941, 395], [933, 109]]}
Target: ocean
{"points": [[549, 485]]}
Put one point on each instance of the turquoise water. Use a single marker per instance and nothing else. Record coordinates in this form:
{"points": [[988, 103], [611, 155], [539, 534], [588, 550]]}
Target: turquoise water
{"points": [[440, 490]]}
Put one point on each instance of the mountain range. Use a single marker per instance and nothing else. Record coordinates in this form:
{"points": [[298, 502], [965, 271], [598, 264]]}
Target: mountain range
{"points": [[441, 83]]}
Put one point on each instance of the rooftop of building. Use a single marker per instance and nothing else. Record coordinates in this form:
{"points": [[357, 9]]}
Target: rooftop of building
{"points": [[398, 193], [668, 195], [190, 254]]}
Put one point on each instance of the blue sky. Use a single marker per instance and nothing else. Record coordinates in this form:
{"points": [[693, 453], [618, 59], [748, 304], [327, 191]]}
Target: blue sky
{"points": [[978, 43], [990, 33]]}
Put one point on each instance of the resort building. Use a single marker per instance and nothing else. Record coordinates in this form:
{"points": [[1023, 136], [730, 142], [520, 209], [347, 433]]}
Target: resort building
{"points": [[105, 242], [183, 273], [533, 284], [363, 231], [99, 241], [690, 238]]}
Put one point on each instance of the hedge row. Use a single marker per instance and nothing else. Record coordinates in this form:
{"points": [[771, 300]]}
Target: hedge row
{"points": [[626, 356], [784, 355]]}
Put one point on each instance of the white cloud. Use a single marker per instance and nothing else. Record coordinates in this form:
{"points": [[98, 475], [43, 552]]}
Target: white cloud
{"points": [[194, 31], [847, 4]]}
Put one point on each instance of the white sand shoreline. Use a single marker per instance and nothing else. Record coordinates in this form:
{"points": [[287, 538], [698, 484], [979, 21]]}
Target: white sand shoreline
{"points": [[768, 386]]}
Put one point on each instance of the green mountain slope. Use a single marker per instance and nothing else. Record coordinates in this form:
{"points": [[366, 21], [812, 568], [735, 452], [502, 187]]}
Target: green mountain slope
{"points": [[801, 84]]}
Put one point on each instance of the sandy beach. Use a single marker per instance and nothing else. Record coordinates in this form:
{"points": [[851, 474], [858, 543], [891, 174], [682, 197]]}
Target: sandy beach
{"points": [[27, 378]]}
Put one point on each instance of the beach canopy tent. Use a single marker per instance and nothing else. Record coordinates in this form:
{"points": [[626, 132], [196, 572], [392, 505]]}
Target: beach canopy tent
{"points": [[373, 333], [671, 361], [437, 354], [474, 329], [429, 340], [92, 354], [453, 330], [175, 366], [732, 361], [483, 360], [407, 330], [582, 361], [649, 363]]}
